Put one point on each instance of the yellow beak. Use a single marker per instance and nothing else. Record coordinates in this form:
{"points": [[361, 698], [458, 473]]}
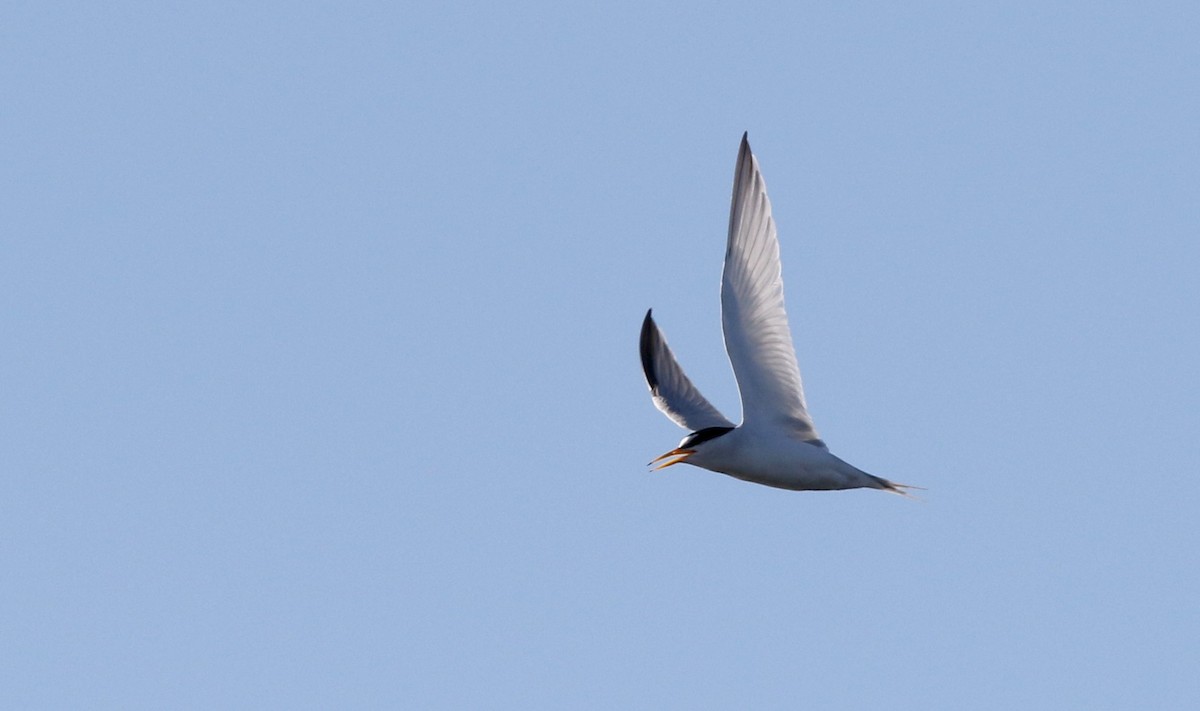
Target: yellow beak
{"points": [[682, 455]]}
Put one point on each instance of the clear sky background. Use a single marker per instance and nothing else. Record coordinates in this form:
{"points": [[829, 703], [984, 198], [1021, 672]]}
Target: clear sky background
{"points": [[320, 388]]}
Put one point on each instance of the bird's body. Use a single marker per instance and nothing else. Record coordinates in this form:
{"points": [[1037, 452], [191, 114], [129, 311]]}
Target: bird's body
{"points": [[769, 456], [776, 444]]}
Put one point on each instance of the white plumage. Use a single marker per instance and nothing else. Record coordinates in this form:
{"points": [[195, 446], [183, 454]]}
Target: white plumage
{"points": [[776, 444]]}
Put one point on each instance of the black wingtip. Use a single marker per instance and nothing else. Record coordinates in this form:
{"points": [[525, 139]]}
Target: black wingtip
{"points": [[646, 348], [744, 152]]}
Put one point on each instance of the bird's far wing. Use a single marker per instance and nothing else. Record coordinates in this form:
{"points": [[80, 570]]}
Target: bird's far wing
{"points": [[756, 329], [670, 388]]}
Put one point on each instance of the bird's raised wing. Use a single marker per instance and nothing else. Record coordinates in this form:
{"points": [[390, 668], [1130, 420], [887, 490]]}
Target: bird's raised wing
{"points": [[673, 393], [755, 324]]}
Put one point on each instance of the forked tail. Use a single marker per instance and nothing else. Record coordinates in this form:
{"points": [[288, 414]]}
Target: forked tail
{"points": [[901, 489]]}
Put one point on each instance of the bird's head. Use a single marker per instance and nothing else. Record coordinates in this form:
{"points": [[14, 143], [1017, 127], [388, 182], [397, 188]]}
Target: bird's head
{"points": [[689, 446]]}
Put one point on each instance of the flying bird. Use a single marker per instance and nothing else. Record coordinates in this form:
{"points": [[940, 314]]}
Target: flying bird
{"points": [[776, 444]]}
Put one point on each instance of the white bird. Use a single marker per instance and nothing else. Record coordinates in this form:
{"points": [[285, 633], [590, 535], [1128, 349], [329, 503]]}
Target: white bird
{"points": [[776, 444]]}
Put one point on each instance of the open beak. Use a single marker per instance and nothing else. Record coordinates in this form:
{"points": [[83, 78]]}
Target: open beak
{"points": [[682, 455]]}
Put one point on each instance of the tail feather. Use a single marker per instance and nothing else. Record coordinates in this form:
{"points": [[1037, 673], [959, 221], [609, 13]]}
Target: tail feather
{"points": [[901, 489]]}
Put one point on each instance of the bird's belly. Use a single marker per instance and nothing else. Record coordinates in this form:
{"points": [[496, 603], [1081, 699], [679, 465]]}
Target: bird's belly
{"points": [[798, 467], [795, 480]]}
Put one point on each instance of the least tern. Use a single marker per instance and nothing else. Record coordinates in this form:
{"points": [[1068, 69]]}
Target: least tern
{"points": [[776, 444]]}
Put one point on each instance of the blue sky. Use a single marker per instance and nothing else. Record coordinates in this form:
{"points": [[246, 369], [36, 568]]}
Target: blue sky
{"points": [[321, 389]]}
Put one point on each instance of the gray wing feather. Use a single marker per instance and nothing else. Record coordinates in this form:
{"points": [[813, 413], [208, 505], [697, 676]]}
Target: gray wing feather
{"points": [[672, 391], [757, 336]]}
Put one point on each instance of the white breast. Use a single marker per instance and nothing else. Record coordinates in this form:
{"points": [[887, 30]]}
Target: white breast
{"points": [[777, 459]]}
